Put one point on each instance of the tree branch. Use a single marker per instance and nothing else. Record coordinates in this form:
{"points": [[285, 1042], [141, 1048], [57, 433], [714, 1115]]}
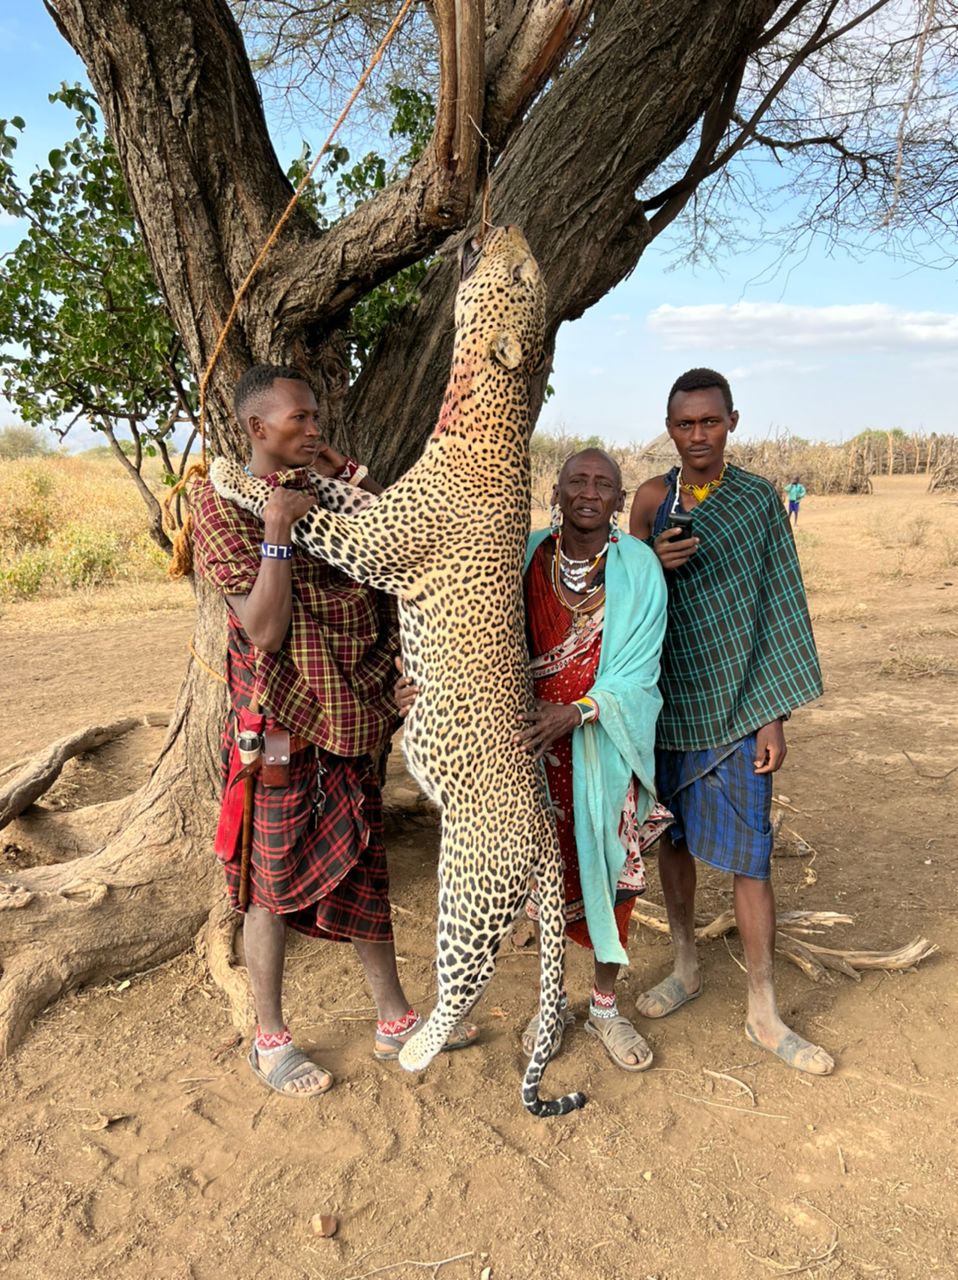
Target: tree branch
{"points": [[156, 530], [408, 219], [673, 200], [522, 55], [569, 178]]}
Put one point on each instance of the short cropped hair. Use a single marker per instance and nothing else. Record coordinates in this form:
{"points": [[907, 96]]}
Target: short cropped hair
{"points": [[616, 469], [701, 380], [256, 381]]}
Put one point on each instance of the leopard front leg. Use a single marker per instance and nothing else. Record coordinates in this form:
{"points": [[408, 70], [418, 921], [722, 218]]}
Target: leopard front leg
{"points": [[233, 482]]}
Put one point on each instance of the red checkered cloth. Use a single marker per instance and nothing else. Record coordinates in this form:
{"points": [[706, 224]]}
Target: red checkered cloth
{"points": [[331, 683], [320, 865]]}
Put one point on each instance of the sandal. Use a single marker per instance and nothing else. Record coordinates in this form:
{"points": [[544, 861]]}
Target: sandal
{"points": [[461, 1036], [531, 1032], [292, 1066], [670, 994], [618, 1037]]}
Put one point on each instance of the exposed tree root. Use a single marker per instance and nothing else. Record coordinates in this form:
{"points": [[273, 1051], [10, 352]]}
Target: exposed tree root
{"points": [[814, 961], [39, 773], [216, 943], [51, 836], [140, 889]]}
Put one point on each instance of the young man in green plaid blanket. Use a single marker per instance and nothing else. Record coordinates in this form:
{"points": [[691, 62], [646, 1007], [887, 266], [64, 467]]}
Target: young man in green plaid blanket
{"points": [[739, 656]]}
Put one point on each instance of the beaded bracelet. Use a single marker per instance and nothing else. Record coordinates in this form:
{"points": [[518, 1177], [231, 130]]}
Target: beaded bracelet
{"points": [[353, 472], [588, 710], [275, 551]]}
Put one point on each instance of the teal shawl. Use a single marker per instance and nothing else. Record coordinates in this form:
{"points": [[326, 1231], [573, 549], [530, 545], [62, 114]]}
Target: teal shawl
{"points": [[607, 752]]}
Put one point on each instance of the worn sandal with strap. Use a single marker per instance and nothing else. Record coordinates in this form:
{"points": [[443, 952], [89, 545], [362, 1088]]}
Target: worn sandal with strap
{"points": [[291, 1067], [618, 1037], [531, 1032], [461, 1036]]}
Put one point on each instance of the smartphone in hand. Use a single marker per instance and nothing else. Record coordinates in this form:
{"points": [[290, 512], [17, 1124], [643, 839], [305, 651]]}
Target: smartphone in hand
{"points": [[682, 520]]}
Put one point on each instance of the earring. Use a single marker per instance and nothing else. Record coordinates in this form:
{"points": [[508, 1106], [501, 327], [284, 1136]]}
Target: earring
{"points": [[555, 519], [614, 527]]}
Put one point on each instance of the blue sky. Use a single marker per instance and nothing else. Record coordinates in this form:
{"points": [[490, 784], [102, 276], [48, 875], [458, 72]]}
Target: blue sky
{"points": [[825, 347]]}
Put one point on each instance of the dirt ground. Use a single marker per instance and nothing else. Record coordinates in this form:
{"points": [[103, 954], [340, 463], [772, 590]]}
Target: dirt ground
{"points": [[136, 1143]]}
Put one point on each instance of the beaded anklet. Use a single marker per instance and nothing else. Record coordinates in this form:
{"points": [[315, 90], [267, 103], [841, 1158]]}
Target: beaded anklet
{"points": [[272, 1041], [603, 1004], [399, 1026]]}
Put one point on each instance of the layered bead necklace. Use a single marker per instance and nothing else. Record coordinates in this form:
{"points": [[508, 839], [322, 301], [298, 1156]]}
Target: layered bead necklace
{"points": [[573, 575]]}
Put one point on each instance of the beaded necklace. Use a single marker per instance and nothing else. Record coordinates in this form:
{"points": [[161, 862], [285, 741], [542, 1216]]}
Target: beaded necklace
{"points": [[702, 491], [594, 595], [575, 573]]}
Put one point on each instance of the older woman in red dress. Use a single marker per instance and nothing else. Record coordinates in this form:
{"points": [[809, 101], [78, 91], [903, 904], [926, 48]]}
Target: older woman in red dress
{"points": [[595, 614]]}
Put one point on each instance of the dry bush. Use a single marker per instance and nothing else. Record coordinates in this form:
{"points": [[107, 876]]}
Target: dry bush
{"points": [[70, 522], [822, 468], [909, 663], [949, 551], [846, 611], [893, 537], [944, 471]]}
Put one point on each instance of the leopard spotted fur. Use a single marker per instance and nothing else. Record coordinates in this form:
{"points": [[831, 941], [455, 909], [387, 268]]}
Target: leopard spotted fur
{"points": [[448, 539]]}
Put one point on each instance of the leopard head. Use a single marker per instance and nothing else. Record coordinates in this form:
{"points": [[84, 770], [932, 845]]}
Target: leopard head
{"points": [[500, 305]]}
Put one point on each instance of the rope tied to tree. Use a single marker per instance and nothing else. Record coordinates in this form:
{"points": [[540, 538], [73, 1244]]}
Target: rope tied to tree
{"points": [[181, 560]]}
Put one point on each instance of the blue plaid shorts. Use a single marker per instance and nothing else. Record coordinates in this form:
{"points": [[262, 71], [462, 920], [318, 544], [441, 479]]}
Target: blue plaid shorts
{"points": [[720, 805]]}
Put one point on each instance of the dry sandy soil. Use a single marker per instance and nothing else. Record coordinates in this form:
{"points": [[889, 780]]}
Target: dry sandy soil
{"points": [[136, 1143]]}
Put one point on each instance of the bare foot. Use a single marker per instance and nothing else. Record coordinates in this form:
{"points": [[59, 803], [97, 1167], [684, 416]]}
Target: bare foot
{"points": [[793, 1049], [667, 996]]}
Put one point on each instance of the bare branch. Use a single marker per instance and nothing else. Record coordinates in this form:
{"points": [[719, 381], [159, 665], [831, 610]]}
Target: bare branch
{"points": [[409, 218]]}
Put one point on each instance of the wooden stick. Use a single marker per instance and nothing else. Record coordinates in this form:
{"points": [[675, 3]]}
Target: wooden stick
{"points": [[246, 847]]}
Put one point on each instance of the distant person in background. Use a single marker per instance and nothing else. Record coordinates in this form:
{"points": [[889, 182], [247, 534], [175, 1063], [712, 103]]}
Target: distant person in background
{"points": [[796, 492]]}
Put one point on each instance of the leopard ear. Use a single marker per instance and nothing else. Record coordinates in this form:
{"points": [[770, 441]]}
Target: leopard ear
{"points": [[506, 349]]}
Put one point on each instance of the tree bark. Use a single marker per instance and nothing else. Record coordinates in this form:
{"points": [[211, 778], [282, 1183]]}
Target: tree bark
{"points": [[183, 111]]}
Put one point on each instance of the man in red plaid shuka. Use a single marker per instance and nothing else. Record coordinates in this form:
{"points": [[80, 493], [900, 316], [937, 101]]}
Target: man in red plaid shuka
{"points": [[317, 650]]}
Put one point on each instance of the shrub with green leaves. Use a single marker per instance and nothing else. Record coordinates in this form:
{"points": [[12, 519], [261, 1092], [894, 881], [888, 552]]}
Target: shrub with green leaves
{"points": [[17, 441]]}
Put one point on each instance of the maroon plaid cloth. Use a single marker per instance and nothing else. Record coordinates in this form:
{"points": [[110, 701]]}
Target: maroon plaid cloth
{"points": [[331, 683], [322, 867], [320, 864]]}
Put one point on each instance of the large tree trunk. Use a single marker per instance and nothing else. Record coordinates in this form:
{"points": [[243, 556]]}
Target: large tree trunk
{"points": [[184, 113]]}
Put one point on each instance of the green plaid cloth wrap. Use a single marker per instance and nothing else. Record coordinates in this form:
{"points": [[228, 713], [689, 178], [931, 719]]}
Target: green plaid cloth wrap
{"points": [[739, 650]]}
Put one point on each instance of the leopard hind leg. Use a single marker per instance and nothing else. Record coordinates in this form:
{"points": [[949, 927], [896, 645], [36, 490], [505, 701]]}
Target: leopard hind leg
{"points": [[465, 963], [551, 958]]}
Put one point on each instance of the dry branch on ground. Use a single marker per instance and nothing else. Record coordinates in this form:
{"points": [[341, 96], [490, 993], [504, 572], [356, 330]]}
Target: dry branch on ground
{"points": [[813, 960]]}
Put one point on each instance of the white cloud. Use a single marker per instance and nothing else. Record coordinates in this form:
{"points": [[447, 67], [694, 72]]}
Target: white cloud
{"points": [[763, 368], [865, 327]]}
